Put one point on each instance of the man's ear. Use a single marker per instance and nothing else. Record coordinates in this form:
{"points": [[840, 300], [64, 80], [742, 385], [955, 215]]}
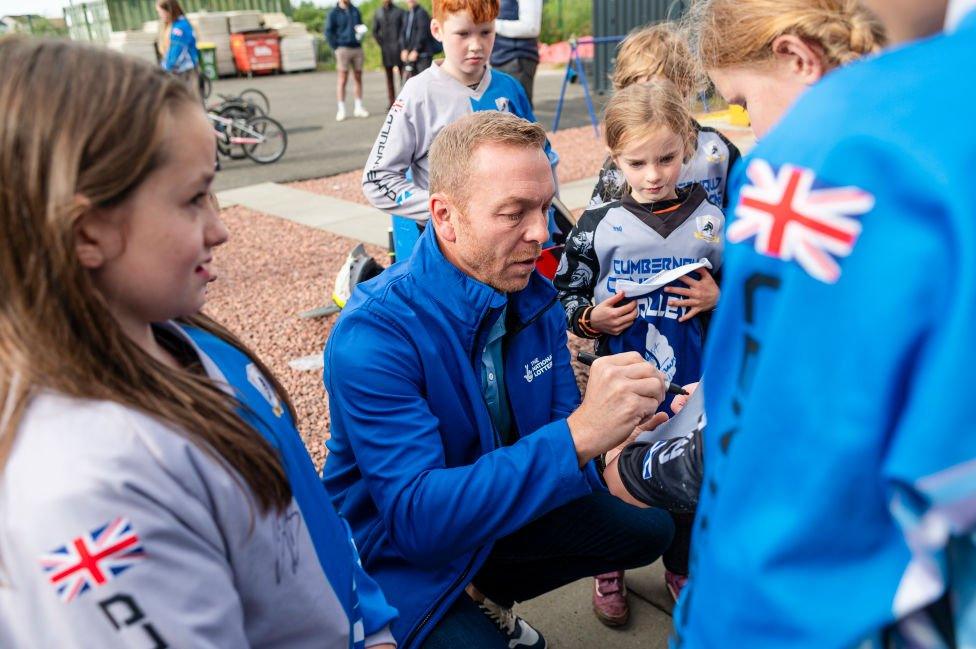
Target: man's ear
{"points": [[801, 58], [442, 217], [436, 29], [98, 235]]}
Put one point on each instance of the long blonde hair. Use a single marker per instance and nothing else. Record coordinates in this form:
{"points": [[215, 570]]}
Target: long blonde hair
{"points": [[80, 128], [725, 33], [636, 111]]}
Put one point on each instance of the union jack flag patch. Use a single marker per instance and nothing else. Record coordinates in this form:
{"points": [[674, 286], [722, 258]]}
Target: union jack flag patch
{"points": [[93, 559], [791, 220]]}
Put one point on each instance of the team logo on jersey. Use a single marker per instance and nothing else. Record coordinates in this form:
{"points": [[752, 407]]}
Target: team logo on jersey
{"points": [[714, 154], [93, 559], [792, 221], [501, 103], [708, 228], [659, 351], [262, 385], [583, 241]]}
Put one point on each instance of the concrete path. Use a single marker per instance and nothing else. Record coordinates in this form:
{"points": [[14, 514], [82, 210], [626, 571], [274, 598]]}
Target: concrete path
{"points": [[344, 217], [566, 619]]}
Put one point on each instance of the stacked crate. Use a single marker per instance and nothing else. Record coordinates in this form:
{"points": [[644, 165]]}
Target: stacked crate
{"points": [[297, 48]]}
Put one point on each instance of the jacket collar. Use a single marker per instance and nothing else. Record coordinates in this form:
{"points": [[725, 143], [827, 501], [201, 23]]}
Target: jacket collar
{"points": [[469, 301]]}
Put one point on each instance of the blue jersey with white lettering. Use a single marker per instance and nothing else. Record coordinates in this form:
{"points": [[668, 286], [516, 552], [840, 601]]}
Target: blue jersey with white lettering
{"points": [[839, 498], [634, 242]]}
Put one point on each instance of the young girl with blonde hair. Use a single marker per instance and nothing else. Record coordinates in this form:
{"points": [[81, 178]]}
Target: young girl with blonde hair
{"points": [[624, 260], [154, 490], [660, 52]]}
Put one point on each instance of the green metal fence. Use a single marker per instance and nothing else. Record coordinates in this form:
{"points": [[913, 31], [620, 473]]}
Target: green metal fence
{"points": [[617, 18], [93, 21]]}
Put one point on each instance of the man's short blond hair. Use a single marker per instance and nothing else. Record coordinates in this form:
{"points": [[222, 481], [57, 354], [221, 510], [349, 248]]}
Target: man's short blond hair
{"points": [[455, 145], [656, 51]]}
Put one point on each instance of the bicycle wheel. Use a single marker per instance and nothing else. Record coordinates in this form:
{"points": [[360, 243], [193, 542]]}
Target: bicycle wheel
{"points": [[256, 98], [236, 129], [271, 140]]}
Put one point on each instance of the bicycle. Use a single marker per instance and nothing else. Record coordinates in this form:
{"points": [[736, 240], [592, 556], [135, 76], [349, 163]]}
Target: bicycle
{"points": [[258, 137]]}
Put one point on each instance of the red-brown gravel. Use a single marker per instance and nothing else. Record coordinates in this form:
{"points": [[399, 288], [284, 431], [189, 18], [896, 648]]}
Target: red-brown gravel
{"points": [[269, 272]]}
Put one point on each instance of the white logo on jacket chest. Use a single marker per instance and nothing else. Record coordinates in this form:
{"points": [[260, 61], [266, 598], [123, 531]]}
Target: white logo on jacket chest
{"points": [[537, 367]]}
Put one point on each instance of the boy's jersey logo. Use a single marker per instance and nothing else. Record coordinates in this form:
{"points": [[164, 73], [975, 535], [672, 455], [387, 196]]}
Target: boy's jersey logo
{"points": [[791, 220], [501, 103], [708, 228]]}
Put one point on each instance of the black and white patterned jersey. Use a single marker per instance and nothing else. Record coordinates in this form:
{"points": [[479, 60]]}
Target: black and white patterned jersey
{"points": [[709, 167], [629, 241]]}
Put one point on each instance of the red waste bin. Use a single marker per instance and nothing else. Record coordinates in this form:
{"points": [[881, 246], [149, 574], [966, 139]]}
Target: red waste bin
{"points": [[256, 52]]}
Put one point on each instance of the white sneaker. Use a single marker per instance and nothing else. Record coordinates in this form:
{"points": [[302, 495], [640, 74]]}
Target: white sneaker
{"points": [[517, 631], [341, 114], [359, 111]]}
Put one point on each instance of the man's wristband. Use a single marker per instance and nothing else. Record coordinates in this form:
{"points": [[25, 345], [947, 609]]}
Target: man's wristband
{"points": [[584, 324]]}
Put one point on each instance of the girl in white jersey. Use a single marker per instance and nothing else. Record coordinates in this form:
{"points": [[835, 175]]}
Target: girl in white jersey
{"points": [[153, 488], [662, 236]]}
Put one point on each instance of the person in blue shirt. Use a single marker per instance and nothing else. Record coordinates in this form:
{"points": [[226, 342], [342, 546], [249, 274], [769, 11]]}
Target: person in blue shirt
{"points": [[839, 499], [179, 46], [459, 452]]}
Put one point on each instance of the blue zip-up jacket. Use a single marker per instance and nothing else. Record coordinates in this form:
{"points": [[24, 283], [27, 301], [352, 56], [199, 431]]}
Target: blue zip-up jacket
{"points": [[414, 463], [182, 54], [840, 461], [340, 27]]}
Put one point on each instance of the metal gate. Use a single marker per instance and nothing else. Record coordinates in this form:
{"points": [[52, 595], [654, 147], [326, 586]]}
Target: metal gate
{"points": [[617, 18]]}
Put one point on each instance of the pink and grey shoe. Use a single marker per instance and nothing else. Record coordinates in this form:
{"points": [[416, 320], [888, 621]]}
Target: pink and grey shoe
{"points": [[675, 583], [610, 598]]}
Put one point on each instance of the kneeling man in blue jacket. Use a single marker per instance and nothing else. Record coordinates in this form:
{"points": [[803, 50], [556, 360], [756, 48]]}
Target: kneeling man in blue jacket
{"points": [[460, 454]]}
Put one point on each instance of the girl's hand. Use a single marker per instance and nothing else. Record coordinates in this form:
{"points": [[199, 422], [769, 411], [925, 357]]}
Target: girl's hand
{"points": [[680, 400], [608, 318], [701, 294]]}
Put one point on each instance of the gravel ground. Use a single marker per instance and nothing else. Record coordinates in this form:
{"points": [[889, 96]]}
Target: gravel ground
{"points": [[270, 271], [580, 156]]}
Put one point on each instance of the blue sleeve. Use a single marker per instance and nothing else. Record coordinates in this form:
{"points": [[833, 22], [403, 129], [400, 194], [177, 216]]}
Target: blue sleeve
{"points": [[376, 611], [330, 30], [434, 512]]}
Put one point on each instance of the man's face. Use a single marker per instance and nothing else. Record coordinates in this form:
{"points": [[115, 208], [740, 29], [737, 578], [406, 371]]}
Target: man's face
{"points": [[907, 20], [497, 237]]}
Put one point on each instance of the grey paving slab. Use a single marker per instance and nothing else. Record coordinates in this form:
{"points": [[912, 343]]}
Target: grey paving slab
{"points": [[577, 193], [566, 619], [315, 210]]}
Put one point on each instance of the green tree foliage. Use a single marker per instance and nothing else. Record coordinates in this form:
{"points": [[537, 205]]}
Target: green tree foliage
{"points": [[562, 19]]}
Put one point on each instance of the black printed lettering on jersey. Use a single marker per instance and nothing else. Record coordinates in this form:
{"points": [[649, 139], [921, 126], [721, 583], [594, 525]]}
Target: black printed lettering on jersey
{"points": [[122, 612], [755, 282]]}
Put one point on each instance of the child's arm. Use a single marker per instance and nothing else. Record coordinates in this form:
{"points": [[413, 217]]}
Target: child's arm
{"points": [[398, 144], [609, 185], [577, 275]]}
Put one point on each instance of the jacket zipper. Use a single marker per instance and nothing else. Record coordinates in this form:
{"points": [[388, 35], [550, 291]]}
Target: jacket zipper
{"points": [[430, 613]]}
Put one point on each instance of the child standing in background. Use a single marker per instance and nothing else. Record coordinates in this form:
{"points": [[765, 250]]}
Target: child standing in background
{"points": [[659, 52], [659, 233]]}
